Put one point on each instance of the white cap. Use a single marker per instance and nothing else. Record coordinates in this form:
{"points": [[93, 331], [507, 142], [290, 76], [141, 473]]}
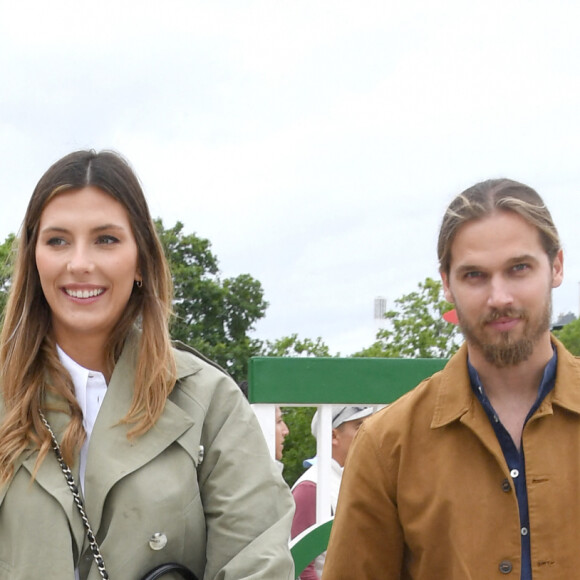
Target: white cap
{"points": [[342, 414]]}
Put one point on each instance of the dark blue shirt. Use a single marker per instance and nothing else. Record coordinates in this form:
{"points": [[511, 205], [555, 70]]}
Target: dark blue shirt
{"points": [[514, 457]]}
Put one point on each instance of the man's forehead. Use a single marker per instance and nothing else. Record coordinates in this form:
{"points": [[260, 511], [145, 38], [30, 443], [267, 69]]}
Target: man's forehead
{"points": [[501, 236]]}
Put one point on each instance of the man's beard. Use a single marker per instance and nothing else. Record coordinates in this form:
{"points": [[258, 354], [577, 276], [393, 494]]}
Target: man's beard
{"points": [[506, 351]]}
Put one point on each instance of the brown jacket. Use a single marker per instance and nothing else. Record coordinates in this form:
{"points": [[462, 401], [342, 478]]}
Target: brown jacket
{"points": [[427, 495]]}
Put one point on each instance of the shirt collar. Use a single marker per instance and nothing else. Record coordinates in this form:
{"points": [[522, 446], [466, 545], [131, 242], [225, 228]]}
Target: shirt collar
{"points": [[79, 376], [546, 385]]}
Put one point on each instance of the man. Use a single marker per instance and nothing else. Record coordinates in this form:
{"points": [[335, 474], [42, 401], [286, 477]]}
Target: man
{"points": [[345, 423], [475, 474]]}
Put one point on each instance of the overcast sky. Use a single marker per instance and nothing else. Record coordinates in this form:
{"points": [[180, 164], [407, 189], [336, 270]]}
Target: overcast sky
{"points": [[315, 144]]}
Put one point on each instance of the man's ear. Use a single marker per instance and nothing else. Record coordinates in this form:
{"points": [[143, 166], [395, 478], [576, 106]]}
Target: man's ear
{"points": [[446, 290], [558, 269]]}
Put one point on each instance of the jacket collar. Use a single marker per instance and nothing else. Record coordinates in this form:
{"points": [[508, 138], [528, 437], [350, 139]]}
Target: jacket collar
{"points": [[111, 454], [454, 397], [566, 393]]}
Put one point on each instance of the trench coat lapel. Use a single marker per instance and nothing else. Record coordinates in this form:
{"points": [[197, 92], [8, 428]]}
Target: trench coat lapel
{"points": [[112, 455], [50, 477]]}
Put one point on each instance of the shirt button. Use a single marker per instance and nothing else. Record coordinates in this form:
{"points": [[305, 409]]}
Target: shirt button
{"points": [[505, 567], [514, 473], [158, 541], [505, 485], [524, 531]]}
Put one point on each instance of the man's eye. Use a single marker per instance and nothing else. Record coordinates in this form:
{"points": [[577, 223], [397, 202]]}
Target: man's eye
{"points": [[520, 267], [471, 275]]}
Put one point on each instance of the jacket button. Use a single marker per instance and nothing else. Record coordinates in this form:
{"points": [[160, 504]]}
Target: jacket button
{"points": [[158, 541], [505, 567], [505, 485]]}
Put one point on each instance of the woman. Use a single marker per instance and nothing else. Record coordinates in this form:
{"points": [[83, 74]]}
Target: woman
{"points": [[168, 455]]}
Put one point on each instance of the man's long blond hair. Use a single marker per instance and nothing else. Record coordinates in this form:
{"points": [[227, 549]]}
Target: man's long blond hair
{"points": [[29, 364], [493, 195]]}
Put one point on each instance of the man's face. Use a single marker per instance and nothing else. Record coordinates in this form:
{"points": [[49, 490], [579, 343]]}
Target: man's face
{"points": [[281, 432], [500, 280], [342, 438]]}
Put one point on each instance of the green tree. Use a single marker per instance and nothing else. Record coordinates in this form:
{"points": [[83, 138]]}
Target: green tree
{"points": [[6, 250], [570, 336], [300, 444], [211, 314], [294, 346], [416, 328]]}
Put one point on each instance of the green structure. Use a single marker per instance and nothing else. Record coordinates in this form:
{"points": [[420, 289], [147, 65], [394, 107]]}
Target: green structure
{"points": [[325, 381]]}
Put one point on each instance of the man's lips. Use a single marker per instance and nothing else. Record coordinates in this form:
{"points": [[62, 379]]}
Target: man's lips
{"points": [[504, 324]]}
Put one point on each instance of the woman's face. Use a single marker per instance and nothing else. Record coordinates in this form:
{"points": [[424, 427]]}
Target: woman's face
{"points": [[86, 256]]}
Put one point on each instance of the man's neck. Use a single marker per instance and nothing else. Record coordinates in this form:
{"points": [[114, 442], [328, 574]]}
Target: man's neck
{"points": [[513, 390], [515, 380]]}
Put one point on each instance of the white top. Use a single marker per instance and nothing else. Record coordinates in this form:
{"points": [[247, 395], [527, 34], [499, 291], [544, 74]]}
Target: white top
{"points": [[90, 389]]}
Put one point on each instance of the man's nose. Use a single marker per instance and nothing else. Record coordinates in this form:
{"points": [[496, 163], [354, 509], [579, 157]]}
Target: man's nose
{"points": [[500, 293]]}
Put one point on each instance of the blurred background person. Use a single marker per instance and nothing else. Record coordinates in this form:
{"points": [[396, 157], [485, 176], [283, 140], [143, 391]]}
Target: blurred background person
{"points": [[346, 421]]}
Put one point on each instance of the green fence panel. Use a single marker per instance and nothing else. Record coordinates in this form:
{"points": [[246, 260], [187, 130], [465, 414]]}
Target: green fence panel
{"points": [[303, 380], [310, 546]]}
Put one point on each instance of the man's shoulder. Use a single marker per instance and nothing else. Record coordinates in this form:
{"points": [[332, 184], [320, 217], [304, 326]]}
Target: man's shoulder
{"points": [[447, 387]]}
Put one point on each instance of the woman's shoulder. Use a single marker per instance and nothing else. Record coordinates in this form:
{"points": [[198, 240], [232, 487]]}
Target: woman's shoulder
{"points": [[199, 376], [190, 361]]}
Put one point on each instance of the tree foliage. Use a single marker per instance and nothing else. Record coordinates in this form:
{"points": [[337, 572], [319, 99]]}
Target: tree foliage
{"points": [[416, 328], [300, 443], [6, 258], [294, 346], [570, 336], [214, 316]]}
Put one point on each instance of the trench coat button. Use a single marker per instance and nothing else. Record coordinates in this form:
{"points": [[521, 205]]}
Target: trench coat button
{"points": [[158, 541], [505, 485], [505, 566]]}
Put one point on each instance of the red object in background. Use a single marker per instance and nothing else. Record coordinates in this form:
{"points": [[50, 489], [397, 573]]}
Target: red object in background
{"points": [[451, 316]]}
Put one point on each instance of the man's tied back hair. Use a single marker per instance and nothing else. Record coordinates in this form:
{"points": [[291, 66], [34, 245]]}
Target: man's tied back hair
{"points": [[488, 197]]}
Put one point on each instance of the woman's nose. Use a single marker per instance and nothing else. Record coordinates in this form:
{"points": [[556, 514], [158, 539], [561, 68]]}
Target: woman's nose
{"points": [[80, 261]]}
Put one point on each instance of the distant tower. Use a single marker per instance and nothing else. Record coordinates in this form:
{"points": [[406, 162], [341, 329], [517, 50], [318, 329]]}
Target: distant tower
{"points": [[380, 309]]}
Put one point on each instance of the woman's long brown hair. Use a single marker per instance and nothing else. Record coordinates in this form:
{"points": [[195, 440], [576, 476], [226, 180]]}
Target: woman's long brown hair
{"points": [[29, 364]]}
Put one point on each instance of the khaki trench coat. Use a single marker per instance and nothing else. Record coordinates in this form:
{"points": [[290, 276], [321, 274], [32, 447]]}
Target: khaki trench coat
{"points": [[226, 516], [427, 495]]}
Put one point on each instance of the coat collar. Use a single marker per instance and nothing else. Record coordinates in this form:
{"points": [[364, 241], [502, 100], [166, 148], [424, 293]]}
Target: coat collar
{"points": [[454, 397], [111, 454]]}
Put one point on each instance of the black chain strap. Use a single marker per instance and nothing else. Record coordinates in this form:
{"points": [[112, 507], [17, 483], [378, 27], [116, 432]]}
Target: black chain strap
{"points": [[78, 501]]}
